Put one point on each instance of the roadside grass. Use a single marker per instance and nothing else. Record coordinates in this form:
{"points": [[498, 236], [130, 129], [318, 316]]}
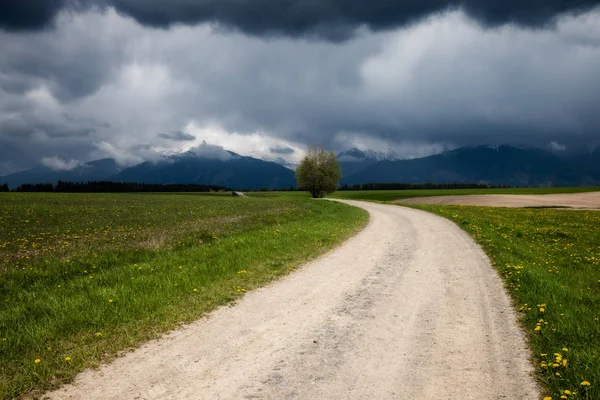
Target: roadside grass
{"points": [[550, 263], [84, 277], [390, 195]]}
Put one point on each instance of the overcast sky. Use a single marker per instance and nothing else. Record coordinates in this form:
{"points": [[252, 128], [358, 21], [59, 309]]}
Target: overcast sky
{"points": [[268, 78]]}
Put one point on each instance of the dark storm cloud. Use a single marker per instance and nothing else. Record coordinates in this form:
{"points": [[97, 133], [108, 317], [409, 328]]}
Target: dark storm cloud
{"points": [[28, 14], [281, 150], [177, 136], [332, 19]]}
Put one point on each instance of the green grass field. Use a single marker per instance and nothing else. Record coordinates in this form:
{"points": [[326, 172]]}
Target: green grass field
{"points": [[390, 195], [86, 276], [550, 262]]}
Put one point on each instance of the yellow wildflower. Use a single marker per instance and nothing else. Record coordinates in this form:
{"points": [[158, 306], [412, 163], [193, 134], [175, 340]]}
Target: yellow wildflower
{"points": [[67, 358], [37, 361], [585, 383]]}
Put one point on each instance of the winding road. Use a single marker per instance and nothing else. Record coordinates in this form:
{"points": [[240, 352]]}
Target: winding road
{"points": [[409, 308]]}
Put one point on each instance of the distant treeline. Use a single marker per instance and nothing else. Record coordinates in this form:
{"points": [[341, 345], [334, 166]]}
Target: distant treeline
{"points": [[126, 187], [113, 187], [416, 186]]}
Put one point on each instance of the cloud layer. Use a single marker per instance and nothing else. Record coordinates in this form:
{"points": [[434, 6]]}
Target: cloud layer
{"points": [[176, 136], [98, 83], [331, 19], [58, 164]]}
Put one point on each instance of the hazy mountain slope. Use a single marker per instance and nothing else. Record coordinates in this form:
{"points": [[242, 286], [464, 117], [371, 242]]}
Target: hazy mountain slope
{"points": [[12, 159], [91, 171], [235, 172], [508, 165], [355, 160]]}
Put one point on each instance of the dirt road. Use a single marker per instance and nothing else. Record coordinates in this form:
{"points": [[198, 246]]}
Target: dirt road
{"points": [[407, 309], [589, 200]]}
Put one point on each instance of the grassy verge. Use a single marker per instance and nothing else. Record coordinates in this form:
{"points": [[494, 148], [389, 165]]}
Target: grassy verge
{"points": [[550, 262], [389, 195], [86, 276]]}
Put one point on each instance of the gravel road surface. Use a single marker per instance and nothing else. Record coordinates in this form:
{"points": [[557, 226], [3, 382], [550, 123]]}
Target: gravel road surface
{"points": [[409, 308]]}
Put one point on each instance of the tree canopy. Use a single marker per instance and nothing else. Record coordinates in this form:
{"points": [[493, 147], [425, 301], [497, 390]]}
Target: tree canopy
{"points": [[319, 172]]}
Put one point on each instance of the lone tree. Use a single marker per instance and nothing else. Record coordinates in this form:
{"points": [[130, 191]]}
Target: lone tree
{"points": [[319, 172]]}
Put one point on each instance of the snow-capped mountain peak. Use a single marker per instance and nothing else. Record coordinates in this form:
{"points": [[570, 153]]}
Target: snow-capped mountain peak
{"points": [[284, 163], [371, 155]]}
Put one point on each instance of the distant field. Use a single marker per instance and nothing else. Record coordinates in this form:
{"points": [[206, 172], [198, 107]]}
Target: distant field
{"points": [[85, 276], [550, 262], [389, 195]]}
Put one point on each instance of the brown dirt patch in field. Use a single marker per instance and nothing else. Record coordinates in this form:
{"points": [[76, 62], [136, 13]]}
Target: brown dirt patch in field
{"points": [[582, 201]]}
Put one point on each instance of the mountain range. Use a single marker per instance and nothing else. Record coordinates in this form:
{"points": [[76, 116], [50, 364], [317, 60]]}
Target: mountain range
{"points": [[233, 171], [496, 165], [91, 171], [224, 169], [355, 160]]}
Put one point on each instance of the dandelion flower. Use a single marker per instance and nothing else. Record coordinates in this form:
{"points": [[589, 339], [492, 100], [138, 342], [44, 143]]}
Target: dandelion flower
{"points": [[585, 383], [537, 328], [67, 358], [37, 361]]}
